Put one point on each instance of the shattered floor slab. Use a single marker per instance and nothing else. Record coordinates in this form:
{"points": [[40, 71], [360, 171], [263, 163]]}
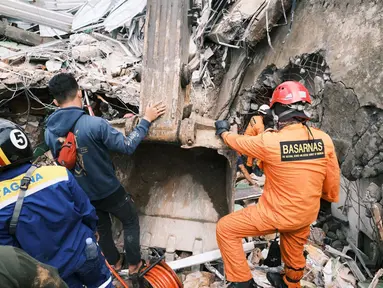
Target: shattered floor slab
{"points": [[99, 66]]}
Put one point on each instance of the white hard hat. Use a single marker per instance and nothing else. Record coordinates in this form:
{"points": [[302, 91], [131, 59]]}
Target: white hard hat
{"points": [[263, 109]]}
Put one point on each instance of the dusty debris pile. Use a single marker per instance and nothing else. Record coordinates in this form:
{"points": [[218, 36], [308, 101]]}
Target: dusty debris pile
{"points": [[101, 64], [106, 58], [332, 258], [224, 35], [325, 267], [33, 49]]}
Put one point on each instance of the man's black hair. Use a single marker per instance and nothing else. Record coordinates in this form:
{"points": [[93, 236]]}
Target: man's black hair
{"points": [[63, 87]]}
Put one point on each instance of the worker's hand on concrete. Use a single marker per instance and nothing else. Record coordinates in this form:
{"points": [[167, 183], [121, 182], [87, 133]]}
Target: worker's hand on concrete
{"points": [[154, 111], [221, 126]]}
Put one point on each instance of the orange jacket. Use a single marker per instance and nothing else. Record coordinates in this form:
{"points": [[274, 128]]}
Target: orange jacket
{"points": [[254, 128], [298, 173]]}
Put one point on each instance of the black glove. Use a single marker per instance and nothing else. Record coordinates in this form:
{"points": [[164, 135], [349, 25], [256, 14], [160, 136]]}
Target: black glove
{"points": [[221, 126]]}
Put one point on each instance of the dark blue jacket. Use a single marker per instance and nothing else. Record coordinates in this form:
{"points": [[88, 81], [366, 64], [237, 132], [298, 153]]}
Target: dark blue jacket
{"points": [[95, 138], [55, 219]]}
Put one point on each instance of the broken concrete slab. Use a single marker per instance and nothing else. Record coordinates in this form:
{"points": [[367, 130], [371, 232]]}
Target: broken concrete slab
{"points": [[98, 62], [316, 255], [233, 25], [258, 25], [372, 194], [227, 30], [81, 39], [336, 252], [84, 53], [198, 279], [231, 83], [53, 65]]}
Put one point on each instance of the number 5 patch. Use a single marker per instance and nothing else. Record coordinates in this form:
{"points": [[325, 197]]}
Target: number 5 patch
{"points": [[18, 139]]}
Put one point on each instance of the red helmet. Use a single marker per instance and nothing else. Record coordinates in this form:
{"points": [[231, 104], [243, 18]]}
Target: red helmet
{"points": [[290, 92]]}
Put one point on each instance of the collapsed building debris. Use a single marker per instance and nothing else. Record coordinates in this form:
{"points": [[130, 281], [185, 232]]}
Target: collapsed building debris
{"points": [[88, 14], [324, 268], [210, 60], [225, 44], [100, 66]]}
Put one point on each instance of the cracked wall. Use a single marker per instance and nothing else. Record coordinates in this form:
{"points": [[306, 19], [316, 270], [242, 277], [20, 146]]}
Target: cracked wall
{"points": [[347, 94], [349, 34]]}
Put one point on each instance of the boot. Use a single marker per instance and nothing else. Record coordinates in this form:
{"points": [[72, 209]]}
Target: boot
{"points": [[276, 280], [247, 284]]}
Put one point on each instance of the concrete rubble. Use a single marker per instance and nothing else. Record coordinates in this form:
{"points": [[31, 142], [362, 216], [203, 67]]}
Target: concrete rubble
{"points": [[237, 55], [99, 65], [110, 65], [324, 268]]}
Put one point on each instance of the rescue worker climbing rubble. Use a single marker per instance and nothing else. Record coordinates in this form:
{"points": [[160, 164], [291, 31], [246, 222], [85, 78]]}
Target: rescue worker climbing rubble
{"points": [[256, 125], [45, 212], [301, 167]]}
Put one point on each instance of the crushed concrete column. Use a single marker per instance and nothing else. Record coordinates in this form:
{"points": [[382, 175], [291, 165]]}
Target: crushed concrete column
{"points": [[20, 35]]}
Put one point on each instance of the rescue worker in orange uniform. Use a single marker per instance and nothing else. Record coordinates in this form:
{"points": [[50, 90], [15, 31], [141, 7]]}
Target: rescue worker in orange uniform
{"points": [[257, 125], [301, 167]]}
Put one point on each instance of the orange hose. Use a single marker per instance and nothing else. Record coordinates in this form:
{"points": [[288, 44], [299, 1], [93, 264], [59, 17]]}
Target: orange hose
{"points": [[162, 276]]}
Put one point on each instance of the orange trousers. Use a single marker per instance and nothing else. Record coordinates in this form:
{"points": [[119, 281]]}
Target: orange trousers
{"points": [[232, 228]]}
